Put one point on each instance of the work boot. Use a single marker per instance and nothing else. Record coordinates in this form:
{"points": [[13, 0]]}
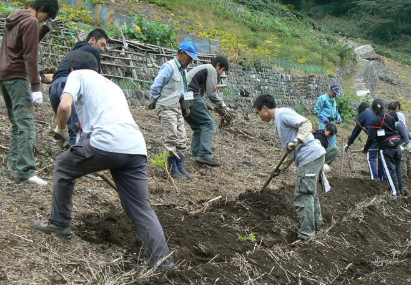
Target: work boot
{"points": [[172, 167], [48, 227], [180, 167], [209, 160]]}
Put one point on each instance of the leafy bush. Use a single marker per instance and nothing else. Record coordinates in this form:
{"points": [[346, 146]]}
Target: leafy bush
{"points": [[150, 32], [345, 107]]}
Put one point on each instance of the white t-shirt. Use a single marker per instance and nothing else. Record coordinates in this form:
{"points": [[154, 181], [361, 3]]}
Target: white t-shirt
{"points": [[104, 114]]}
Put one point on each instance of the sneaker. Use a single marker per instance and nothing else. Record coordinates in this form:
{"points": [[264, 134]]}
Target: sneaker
{"points": [[207, 160], [48, 227], [36, 180], [95, 178]]}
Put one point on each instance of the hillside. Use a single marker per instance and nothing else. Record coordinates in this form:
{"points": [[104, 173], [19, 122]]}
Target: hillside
{"points": [[220, 227]]}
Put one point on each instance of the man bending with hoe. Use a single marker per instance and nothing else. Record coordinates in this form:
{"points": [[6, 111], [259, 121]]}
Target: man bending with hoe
{"points": [[294, 132], [113, 141]]}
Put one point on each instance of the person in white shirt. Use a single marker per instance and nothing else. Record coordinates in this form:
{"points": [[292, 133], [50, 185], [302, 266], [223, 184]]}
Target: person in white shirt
{"points": [[113, 141]]}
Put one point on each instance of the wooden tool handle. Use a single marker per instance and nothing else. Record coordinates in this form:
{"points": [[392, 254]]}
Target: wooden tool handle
{"points": [[109, 181], [275, 170]]}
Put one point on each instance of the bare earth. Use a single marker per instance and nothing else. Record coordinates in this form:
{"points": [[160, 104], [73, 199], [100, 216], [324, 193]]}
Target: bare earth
{"points": [[365, 238]]}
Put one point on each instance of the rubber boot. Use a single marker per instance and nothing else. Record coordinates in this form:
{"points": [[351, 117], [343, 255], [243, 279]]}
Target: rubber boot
{"points": [[172, 167], [180, 166]]}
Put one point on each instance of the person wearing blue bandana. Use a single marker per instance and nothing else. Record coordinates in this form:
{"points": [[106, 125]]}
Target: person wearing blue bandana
{"points": [[327, 111], [169, 92]]}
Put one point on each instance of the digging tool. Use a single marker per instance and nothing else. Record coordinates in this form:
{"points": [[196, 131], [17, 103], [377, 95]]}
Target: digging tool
{"points": [[109, 181], [342, 158], [349, 160], [274, 172], [360, 150], [359, 124]]}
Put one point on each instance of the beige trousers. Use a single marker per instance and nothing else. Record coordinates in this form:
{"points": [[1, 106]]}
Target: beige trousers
{"points": [[172, 123]]}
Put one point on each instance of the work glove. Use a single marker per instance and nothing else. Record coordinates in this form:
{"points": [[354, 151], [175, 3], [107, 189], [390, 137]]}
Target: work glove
{"points": [[323, 119], [338, 118], [62, 136], [293, 145], [56, 24], [37, 97], [346, 147], [226, 116], [152, 104], [363, 150]]}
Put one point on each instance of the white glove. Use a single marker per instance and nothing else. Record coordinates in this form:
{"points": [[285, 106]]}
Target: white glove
{"points": [[346, 147], [37, 97], [293, 145]]}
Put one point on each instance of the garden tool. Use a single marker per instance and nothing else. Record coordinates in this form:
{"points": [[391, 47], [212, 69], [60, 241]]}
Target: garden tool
{"points": [[360, 150], [109, 181], [359, 124], [275, 172]]}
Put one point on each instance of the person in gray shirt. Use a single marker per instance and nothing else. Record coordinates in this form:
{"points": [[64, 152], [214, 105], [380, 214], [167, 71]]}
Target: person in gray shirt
{"points": [[294, 132], [113, 141]]}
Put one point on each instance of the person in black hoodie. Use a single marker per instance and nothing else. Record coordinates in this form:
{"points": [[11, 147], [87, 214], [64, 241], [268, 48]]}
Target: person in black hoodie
{"points": [[324, 137], [382, 128], [95, 43], [365, 116]]}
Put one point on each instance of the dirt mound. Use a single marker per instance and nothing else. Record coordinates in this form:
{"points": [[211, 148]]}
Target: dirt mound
{"points": [[360, 242]]}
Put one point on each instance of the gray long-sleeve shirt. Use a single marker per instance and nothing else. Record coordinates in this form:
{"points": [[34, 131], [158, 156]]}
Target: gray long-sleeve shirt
{"points": [[203, 80]]}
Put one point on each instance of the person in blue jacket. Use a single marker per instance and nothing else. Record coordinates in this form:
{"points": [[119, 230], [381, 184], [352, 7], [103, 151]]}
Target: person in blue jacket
{"points": [[327, 111], [365, 115]]}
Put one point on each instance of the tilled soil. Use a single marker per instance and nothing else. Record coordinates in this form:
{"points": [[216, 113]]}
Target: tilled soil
{"points": [[360, 243], [365, 238]]}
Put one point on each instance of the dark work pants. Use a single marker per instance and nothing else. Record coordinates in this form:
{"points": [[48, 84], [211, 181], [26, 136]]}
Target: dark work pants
{"points": [[130, 175], [203, 125], [391, 162], [73, 123]]}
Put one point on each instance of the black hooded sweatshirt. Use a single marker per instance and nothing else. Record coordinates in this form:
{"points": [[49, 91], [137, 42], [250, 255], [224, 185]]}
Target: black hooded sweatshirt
{"points": [[80, 45]]}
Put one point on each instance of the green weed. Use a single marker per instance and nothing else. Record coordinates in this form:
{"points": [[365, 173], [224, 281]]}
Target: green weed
{"points": [[160, 160], [251, 237]]}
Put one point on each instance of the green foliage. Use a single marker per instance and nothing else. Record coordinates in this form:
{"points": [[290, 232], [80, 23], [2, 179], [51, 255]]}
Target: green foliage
{"points": [[128, 84], [151, 32], [160, 160], [384, 22], [229, 91], [251, 237], [300, 110], [289, 66], [345, 107], [5, 10], [71, 15]]}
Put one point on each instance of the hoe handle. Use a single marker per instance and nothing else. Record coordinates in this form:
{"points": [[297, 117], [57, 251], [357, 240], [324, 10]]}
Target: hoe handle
{"points": [[274, 171], [109, 181]]}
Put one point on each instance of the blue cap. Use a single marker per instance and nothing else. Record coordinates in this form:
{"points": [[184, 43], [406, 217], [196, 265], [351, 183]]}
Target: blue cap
{"points": [[335, 89], [189, 48]]}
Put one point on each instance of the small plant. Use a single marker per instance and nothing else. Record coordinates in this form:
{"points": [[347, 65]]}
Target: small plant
{"points": [[160, 160], [251, 237]]}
